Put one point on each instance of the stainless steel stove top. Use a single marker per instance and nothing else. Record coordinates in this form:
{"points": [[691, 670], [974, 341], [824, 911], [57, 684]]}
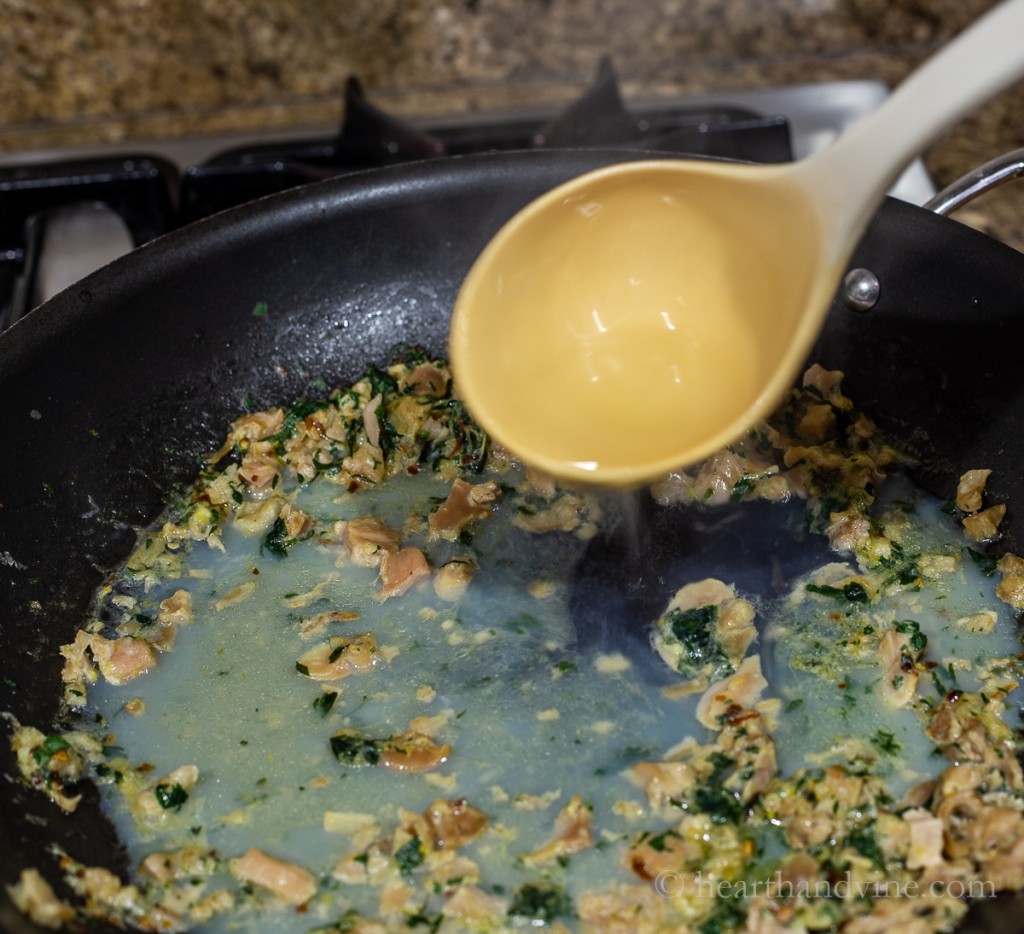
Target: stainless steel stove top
{"points": [[83, 236]]}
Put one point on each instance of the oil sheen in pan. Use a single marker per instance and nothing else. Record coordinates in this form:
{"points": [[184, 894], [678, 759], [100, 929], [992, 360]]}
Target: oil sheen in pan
{"points": [[544, 672]]}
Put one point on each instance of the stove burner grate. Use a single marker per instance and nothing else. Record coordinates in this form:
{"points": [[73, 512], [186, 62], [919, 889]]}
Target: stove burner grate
{"points": [[152, 196]]}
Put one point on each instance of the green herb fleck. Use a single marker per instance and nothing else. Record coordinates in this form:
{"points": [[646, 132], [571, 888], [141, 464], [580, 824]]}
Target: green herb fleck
{"points": [[277, 542], [862, 839], [381, 382], [694, 631], [50, 746], [540, 903], [885, 742], [853, 592], [918, 640], [985, 563], [728, 915], [353, 749], [409, 856], [720, 764], [741, 488], [421, 919], [720, 805], [170, 797], [523, 623], [325, 702], [660, 843]]}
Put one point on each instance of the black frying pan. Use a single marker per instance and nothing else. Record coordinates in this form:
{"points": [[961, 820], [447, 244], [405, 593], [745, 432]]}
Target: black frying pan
{"points": [[111, 392]]}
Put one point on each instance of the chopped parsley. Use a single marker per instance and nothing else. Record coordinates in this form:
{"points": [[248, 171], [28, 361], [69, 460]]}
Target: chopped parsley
{"points": [[325, 702], [421, 919], [985, 563], [862, 839], [277, 540], [742, 488], [728, 915], [694, 632], [852, 592], [50, 746], [170, 797], [466, 443], [918, 640], [885, 742], [409, 856], [296, 414], [353, 749], [659, 843], [720, 764], [721, 805], [540, 903], [381, 382]]}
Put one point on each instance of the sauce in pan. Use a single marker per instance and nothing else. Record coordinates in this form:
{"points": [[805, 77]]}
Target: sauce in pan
{"points": [[349, 686]]}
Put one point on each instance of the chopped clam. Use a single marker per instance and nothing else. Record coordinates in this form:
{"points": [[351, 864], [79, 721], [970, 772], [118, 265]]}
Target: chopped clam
{"points": [[121, 660], [984, 526], [368, 539], [401, 571], [466, 503], [970, 490], [285, 880], [176, 610], [340, 657], [743, 689], [413, 752], [34, 896], [573, 834], [453, 578], [899, 674]]}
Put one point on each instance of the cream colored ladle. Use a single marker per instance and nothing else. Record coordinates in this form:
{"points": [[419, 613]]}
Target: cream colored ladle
{"points": [[641, 317]]}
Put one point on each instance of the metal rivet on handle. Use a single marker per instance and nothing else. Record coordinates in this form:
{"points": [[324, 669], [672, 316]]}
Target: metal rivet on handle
{"points": [[861, 289]]}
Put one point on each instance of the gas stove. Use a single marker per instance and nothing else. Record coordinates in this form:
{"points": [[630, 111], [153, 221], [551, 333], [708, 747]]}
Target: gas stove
{"points": [[64, 214]]}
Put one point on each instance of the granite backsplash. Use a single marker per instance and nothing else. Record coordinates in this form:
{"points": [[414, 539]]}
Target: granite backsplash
{"points": [[81, 72]]}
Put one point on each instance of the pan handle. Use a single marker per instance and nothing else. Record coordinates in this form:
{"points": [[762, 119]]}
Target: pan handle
{"points": [[991, 175], [860, 288]]}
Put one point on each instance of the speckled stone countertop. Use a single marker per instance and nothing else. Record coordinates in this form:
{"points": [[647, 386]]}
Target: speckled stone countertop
{"points": [[80, 72]]}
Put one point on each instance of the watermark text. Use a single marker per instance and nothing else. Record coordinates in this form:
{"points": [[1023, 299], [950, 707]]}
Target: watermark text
{"points": [[672, 883]]}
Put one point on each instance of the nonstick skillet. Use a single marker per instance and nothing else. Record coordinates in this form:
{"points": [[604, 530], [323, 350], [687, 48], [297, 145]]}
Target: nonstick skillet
{"points": [[112, 391]]}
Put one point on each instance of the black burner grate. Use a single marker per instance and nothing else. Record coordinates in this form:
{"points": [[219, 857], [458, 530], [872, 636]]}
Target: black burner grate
{"points": [[153, 197], [369, 138]]}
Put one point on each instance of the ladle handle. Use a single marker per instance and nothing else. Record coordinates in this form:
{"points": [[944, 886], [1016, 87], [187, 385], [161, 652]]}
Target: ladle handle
{"points": [[983, 60]]}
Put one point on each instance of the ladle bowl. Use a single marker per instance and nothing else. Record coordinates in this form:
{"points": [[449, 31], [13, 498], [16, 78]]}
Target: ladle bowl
{"points": [[641, 317]]}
